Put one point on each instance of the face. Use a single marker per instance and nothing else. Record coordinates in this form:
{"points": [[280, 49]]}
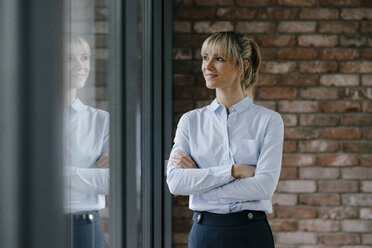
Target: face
{"points": [[79, 67], [220, 73]]}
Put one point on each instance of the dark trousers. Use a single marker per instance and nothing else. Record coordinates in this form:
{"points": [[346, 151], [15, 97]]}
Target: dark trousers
{"points": [[245, 229], [86, 231]]}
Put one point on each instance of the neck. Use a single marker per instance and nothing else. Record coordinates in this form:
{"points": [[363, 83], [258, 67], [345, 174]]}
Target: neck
{"points": [[71, 96], [229, 96]]}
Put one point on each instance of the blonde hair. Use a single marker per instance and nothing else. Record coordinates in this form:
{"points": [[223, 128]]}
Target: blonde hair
{"points": [[236, 47], [79, 45]]}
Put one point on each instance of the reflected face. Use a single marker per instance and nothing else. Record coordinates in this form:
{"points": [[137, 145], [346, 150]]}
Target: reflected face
{"points": [[219, 73], [79, 67]]}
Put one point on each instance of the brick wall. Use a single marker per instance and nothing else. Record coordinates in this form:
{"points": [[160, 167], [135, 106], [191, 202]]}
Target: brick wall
{"points": [[316, 72]]}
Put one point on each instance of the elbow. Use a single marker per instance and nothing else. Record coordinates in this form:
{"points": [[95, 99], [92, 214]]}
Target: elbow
{"points": [[172, 185]]}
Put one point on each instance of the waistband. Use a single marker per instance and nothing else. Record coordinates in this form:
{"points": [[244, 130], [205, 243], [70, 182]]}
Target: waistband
{"points": [[232, 219], [88, 215]]}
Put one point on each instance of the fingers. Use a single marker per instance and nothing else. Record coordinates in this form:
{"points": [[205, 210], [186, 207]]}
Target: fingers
{"points": [[103, 161], [183, 160]]}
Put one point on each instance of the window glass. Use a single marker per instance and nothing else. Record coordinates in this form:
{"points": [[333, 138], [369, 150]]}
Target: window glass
{"points": [[86, 123]]}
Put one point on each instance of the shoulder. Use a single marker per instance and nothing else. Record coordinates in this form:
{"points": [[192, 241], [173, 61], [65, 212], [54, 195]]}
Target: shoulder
{"points": [[267, 114], [195, 114], [98, 113]]}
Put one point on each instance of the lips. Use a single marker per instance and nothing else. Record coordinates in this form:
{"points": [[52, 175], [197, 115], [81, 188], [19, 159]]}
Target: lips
{"points": [[210, 76]]}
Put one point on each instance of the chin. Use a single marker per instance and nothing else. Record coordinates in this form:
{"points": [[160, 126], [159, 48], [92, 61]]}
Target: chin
{"points": [[77, 84]]}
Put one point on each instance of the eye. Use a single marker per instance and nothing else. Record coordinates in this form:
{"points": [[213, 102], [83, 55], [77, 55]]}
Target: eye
{"points": [[205, 57], [220, 59], [84, 58]]}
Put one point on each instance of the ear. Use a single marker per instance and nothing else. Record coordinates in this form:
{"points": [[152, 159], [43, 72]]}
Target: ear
{"points": [[246, 64]]}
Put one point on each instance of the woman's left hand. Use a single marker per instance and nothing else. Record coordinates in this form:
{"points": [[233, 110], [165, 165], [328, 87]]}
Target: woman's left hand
{"points": [[183, 160]]}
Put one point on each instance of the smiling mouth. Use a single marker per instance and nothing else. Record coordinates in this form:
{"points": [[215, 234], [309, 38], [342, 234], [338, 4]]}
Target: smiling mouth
{"points": [[210, 76]]}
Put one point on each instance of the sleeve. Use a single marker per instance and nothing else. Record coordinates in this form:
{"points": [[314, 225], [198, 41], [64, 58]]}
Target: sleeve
{"points": [[193, 181], [263, 184], [90, 180]]}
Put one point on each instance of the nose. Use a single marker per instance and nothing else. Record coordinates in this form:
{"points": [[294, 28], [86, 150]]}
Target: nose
{"points": [[209, 64], [77, 63]]}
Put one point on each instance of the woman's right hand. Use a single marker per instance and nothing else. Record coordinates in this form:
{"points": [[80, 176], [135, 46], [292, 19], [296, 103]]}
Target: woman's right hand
{"points": [[242, 171]]}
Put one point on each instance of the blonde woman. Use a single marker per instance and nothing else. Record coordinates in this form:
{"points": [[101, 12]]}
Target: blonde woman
{"points": [[227, 155], [86, 153]]}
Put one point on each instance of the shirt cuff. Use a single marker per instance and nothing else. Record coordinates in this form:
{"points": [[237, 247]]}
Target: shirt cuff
{"points": [[222, 174]]}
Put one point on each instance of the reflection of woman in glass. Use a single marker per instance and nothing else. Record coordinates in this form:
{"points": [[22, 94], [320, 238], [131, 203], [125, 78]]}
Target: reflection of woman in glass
{"points": [[86, 155], [227, 156]]}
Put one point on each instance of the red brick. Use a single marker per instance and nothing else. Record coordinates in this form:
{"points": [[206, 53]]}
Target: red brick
{"points": [[296, 27], [211, 27], [367, 80], [357, 173], [318, 173], [318, 67], [236, 13], [301, 3], [320, 199], [186, 66], [353, 40], [276, 40], [288, 173], [289, 120], [339, 80], [267, 80], [298, 106], [339, 239], [320, 93], [356, 67], [268, 53], [301, 133], [297, 54], [319, 120], [338, 160], [181, 200], [357, 147], [359, 226], [267, 104], [366, 186], [367, 133], [284, 199], [279, 225], [300, 212], [182, 53], [318, 146], [180, 238], [255, 3], [318, 40], [366, 53], [182, 26], [202, 103], [340, 106], [255, 27], [277, 14], [193, 93], [366, 3], [339, 3], [341, 133], [356, 93], [338, 27], [194, 13], [276, 93], [214, 2], [366, 160], [299, 160], [338, 186], [293, 238], [182, 212], [296, 186], [319, 225], [356, 120], [318, 13], [356, 14], [182, 225], [278, 67], [338, 213], [357, 199], [182, 106], [300, 80], [339, 54], [188, 40], [366, 27], [289, 146]]}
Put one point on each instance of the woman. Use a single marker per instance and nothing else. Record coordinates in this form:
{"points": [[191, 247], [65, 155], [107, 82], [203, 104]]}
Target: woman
{"points": [[227, 155], [86, 153]]}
